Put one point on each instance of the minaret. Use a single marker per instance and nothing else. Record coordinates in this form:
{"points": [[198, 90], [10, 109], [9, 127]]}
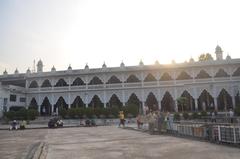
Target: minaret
{"points": [[219, 53], [40, 66]]}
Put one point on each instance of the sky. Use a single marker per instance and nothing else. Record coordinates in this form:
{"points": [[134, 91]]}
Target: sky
{"points": [[76, 32]]}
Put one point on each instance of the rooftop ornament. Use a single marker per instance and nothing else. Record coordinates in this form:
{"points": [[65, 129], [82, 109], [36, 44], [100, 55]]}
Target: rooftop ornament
{"points": [[104, 65], [5, 72], [141, 63], [157, 62], [69, 67], [53, 69], [86, 67], [16, 71], [28, 71], [122, 64]]}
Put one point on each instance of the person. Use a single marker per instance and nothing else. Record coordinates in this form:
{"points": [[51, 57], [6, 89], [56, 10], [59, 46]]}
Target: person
{"points": [[139, 122], [231, 115], [160, 120], [213, 116], [23, 124], [121, 119], [151, 121], [13, 125]]}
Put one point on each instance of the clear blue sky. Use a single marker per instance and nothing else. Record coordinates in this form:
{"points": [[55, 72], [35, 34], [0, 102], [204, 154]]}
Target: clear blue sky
{"points": [[63, 32]]}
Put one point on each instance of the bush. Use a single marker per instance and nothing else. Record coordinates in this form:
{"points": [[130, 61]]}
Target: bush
{"points": [[185, 116], [72, 113], [195, 115], [32, 114], [203, 113], [176, 116], [62, 112], [237, 110]]}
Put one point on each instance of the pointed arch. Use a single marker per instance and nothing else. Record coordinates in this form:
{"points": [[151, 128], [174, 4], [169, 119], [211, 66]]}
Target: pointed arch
{"points": [[33, 104], [133, 100], [45, 108], [149, 78], [205, 101], [78, 82], [113, 79], [60, 104], [224, 101], [202, 74], [78, 102], [96, 102], [33, 84], [46, 83], [132, 79], [114, 102], [95, 80], [237, 72], [61, 83], [221, 73], [189, 104], [166, 77], [183, 76], [151, 102], [167, 103]]}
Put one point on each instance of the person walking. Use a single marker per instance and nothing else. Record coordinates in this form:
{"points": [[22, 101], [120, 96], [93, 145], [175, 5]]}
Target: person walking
{"points": [[121, 118]]}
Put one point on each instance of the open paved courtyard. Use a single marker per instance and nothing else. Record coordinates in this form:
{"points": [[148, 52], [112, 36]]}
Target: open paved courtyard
{"points": [[105, 142]]}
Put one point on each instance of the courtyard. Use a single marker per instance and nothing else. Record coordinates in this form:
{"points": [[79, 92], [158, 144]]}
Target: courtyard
{"points": [[105, 142]]}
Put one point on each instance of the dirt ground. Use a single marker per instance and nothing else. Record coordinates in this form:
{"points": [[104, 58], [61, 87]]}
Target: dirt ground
{"points": [[106, 143]]}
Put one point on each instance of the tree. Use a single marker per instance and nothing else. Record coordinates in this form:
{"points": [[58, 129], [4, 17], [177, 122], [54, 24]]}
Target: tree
{"points": [[182, 101], [205, 57]]}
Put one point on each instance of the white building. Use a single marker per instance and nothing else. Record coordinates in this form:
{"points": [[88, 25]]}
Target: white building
{"points": [[207, 85]]}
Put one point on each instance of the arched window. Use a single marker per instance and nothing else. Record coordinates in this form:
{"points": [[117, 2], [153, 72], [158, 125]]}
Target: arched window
{"points": [[95, 80], [183, 76], [113, 79], [203, 74], [33, 84], [221, 73], [132, 79], [46, 83], [61, 83], [149, 78], [166, 77], [78, 82]]}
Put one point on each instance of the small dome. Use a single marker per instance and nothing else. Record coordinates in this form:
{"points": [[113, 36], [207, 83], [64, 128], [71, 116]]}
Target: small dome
{"points": [[16, 71], [28, 71], [218, 49], [228, 57], [40, 63], [69, 67], [191, 60], [104, 65], [53, 69], [157, 62], [86, 66], [141, 63], [122, 64], [5, 72]]}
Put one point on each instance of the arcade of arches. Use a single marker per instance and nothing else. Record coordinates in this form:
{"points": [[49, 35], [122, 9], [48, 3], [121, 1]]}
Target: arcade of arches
{"points": [[205, 101]]}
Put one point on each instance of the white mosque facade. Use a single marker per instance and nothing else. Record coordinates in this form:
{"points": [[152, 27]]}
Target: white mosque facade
{"points": [[207, 85]]}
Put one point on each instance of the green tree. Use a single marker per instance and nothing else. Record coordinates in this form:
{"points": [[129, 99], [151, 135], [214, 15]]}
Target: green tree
{"points": [[205, 57], [182, 101]]}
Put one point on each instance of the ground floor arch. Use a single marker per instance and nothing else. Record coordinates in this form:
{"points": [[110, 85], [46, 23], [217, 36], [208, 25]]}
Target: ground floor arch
{"points": [[151, 102], [114, 102], [46, 107], [206, 101], [224, 101], [167, 103], [61, 103], [77, 103], [188, 103], [96, 102]]}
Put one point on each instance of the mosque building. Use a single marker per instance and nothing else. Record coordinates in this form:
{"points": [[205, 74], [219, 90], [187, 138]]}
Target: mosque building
{"points": [[207, 85]]}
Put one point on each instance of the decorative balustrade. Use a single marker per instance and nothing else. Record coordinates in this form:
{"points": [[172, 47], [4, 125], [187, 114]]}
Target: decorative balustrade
{"points": [[115, 85], [152, 83], [132, 85], [78, 87], [166, 82], [99, 86], [137, 84]]}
